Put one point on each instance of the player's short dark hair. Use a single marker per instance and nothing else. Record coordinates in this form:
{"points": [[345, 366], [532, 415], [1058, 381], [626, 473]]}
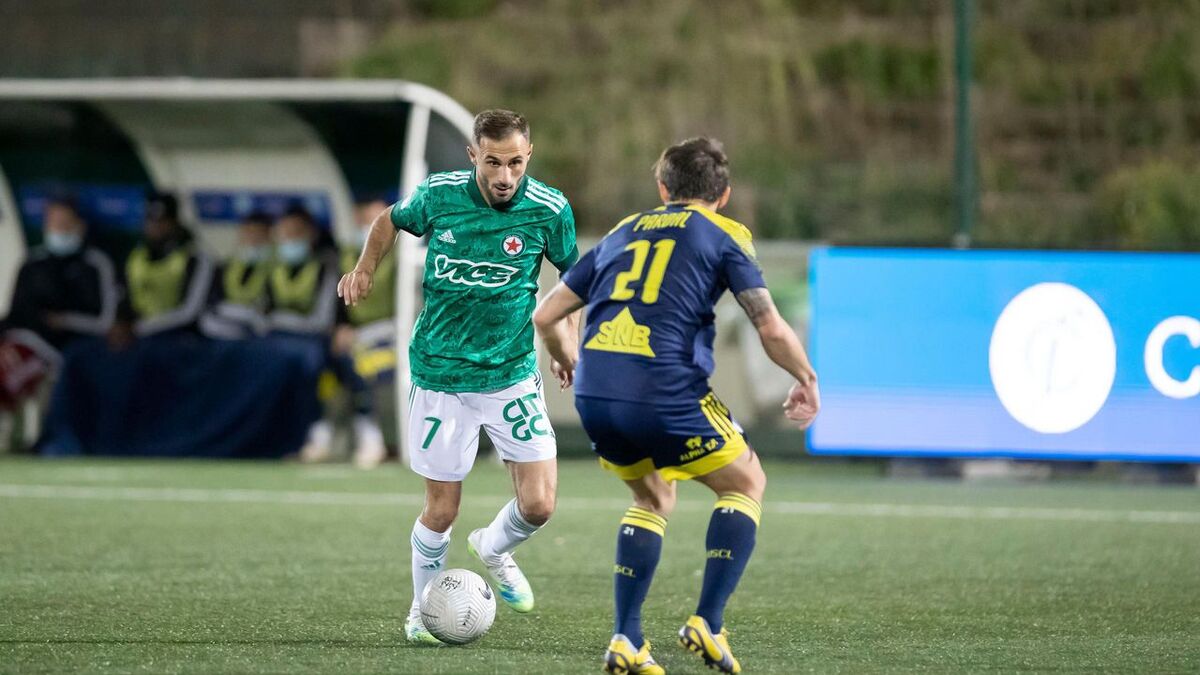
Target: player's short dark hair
{"points": [[498, 124], [694, 169]]}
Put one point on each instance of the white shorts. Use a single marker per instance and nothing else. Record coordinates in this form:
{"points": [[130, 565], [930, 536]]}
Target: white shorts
{"points": [[443, 428]]}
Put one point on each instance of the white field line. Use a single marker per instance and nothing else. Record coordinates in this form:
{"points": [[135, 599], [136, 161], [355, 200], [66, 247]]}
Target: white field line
{"points": [[203, 495]]}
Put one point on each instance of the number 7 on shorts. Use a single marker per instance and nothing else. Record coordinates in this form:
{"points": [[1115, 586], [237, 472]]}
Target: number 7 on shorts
{"points": [[434, 423]]}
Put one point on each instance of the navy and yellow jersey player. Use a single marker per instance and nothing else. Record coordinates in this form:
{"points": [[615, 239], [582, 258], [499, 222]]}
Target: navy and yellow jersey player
{"points": [[642, 389], [650, 288]]}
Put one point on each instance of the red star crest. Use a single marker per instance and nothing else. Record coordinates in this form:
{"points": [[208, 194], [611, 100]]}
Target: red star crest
{"points": [[513, 245]]}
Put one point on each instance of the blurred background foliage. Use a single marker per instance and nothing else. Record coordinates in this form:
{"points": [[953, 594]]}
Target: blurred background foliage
{"points": [[838, 114]]}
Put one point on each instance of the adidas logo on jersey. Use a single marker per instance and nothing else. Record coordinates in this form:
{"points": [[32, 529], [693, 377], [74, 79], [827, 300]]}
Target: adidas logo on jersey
{"points": [[447, 237]]}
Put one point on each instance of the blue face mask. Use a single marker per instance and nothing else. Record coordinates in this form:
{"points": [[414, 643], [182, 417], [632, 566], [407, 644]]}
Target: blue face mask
{"points": [[294, 252], [62, 243], [254, 254]]}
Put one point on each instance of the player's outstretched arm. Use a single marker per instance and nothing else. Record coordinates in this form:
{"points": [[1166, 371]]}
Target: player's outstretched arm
{"points": [[784, 348], [551, 319], [356, 284]]}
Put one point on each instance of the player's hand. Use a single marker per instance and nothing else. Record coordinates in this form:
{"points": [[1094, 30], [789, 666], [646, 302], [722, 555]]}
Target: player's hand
{"points": [[565, 374], [120, 336], [355, 286], [343, 339], [803, 403]]}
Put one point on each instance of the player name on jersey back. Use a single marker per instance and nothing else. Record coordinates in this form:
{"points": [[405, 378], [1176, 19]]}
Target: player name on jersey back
{"points": [[650, 288]]}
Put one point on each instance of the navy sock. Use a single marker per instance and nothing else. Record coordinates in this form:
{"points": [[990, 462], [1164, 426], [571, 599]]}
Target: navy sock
{"points": [[729, 543], [639, 545]]}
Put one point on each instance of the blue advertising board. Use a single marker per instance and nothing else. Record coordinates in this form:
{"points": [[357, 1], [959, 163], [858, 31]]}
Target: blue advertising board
{"points": [[122, 207], [1052, 355], [108, 207], [231, 206]]}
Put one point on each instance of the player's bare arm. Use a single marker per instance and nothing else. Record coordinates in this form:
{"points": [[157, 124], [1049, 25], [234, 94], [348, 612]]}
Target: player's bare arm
{"points": [[557, 321], [573, 320], [356, 284], [566, 378], [784, 348]]}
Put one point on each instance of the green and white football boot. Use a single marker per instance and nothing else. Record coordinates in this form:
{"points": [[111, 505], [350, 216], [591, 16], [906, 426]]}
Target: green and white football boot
{"points": [[414, 628], [514, 588]]}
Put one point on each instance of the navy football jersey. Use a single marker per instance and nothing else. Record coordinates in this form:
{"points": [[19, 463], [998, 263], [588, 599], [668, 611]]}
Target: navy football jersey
{"points": [[650, 288]]}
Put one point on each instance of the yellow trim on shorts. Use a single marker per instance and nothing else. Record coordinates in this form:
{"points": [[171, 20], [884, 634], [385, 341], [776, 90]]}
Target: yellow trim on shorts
{"points": [[639, 469], [708, 463], [718, 416], [327, 385], [742, 504], [722, 422], [735, 444], [647, 520], [369, 363], [705, 465]]}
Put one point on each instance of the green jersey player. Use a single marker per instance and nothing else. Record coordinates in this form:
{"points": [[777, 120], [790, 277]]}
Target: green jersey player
{"points": [[472, 355]]}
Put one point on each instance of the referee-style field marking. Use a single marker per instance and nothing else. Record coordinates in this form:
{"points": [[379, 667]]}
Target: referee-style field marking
{"points": [[203, 495]]}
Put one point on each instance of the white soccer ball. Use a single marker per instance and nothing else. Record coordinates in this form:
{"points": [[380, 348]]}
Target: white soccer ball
{"points": [[458, 606]]}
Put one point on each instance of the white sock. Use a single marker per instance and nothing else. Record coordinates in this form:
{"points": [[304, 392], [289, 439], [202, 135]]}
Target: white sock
{"points": [[505, 533], [367, 431], [369, 451], [316, 448], [429, 551], [320, 433]]}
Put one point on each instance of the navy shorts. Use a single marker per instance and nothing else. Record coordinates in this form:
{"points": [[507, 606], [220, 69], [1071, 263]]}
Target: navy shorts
{"points": [[679, 440]]}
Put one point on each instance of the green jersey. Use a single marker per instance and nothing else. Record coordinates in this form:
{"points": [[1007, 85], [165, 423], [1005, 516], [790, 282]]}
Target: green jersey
{"points": [[475, 333]]}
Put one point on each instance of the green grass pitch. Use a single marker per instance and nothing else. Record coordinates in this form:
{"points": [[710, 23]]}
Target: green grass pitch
{"points": [[213, 567]]}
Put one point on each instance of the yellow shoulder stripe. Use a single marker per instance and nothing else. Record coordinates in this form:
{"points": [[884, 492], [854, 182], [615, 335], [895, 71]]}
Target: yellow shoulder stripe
{"points": [[736, 231], [624, 221]]}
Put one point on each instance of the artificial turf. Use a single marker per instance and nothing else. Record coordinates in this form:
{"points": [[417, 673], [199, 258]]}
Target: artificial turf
{"points": [[216, 567]]}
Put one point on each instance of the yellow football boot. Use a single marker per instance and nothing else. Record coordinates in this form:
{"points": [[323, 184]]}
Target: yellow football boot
{"points": [[622, 658], [698, 638]]}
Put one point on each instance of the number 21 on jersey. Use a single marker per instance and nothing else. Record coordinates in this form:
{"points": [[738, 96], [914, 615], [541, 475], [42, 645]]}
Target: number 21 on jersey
{"points": [[653, 278]]}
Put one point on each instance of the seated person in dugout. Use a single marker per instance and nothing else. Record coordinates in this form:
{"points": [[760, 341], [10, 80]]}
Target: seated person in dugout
{"points": [[238, 299], [302, 288], [65, 290], [364, 343], [169, 277]]}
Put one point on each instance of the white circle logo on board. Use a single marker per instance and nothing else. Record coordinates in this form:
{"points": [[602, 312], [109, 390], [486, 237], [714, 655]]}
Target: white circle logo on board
{"points": [[1052, 358]]}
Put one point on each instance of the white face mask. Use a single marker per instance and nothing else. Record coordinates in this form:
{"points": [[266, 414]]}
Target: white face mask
{"points": [[254, 254], [294, 252], [63, 243]]}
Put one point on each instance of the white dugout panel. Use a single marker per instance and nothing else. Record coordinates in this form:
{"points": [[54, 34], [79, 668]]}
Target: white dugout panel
{"points": [[188, 146], [12, 244], [240, 135]]}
